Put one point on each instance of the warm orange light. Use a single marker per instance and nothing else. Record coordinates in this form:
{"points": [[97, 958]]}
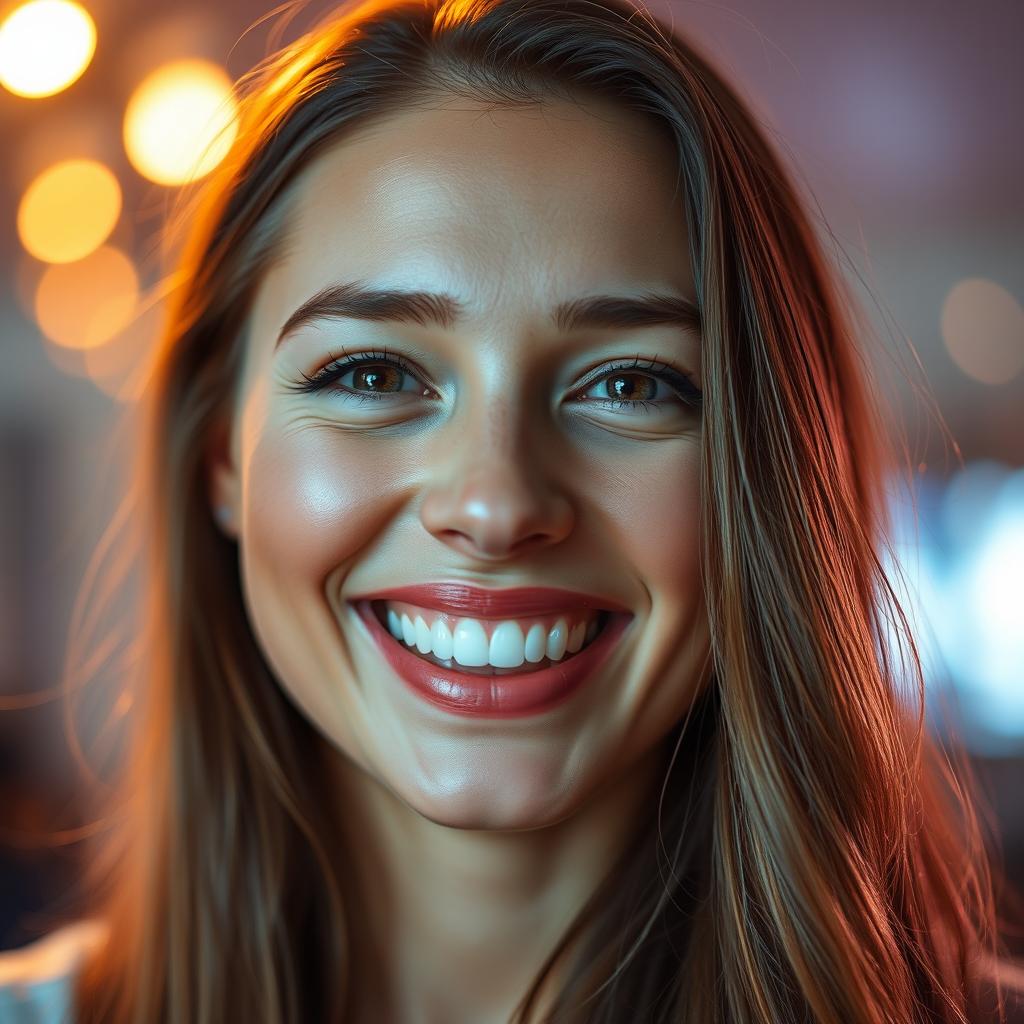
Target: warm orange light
{"points": [[983, 327], [45, 45], [180, 122], [81, 305], [121, 368], [69, 210]]}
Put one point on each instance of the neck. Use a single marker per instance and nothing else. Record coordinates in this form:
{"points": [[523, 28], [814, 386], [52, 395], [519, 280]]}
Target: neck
{"points": [[454, 924]]}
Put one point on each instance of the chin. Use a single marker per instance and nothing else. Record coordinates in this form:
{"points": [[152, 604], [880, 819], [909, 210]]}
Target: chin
{"points": [[486, 819], [493, 802]]}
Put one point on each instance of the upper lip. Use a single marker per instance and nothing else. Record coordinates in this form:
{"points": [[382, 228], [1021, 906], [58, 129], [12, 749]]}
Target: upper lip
{"points": [[479, 602]]}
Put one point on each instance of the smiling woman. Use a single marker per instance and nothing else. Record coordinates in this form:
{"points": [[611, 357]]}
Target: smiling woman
{"points": [[518, 647]]}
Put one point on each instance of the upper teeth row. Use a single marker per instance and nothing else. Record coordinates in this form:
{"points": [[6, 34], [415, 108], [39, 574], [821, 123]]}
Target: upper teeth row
{"points": [[468, 643]]}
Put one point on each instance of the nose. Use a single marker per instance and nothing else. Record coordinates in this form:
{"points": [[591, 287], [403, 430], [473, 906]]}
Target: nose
{"points": [[492, 500]]}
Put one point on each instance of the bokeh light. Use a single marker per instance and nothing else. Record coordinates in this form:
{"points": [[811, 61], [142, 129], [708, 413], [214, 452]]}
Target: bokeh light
{"points": [[180, 122], [45, 46], [121, 367], [959, 546], [69, 210], [983, 328], [83, 304], [992, 662]]}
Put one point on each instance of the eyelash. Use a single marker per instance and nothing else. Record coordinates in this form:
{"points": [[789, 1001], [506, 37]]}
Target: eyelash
{"points": [[681, 383]]}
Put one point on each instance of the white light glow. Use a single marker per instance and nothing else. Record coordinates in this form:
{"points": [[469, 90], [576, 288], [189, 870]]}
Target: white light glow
{"points": [[964, 569], [45, 46], [180, 122]]}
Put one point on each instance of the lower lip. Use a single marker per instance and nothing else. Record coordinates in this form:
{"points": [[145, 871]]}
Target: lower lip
{"points": [[504, 696]]}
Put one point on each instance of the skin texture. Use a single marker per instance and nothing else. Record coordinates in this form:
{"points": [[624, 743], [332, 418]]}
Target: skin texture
{"points": [[477, 840]]}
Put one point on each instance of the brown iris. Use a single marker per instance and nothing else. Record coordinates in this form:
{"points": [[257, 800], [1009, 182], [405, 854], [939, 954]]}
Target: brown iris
{"points": [[371, 377], [626, 393]]}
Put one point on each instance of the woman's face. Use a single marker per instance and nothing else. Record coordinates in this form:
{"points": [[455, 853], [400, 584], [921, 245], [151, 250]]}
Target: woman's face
{"points": [[506, 453]]}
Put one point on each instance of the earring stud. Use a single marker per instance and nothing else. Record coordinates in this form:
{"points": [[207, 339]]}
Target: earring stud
{"points": [[223, 515]]}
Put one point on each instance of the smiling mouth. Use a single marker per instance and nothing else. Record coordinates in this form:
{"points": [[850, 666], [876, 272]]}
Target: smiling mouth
{"points": [[378, 608]]}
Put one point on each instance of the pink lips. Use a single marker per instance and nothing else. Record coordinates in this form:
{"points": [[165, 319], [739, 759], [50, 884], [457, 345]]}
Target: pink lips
{"points": [[481, 603], [504, 696]]}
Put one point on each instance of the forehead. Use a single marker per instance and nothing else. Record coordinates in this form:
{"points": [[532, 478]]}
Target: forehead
{"points": [[507, 207]]}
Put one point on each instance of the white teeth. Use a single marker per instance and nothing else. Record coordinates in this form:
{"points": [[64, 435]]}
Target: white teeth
{"points": [[408, 630], [424, 643], [469, 643], [441, 640], [536, 640], [557, 636], [395, 624], [507, 643]]}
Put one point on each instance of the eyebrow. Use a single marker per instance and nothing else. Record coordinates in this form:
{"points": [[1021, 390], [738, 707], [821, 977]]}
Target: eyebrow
{"points": [[426, 308]]}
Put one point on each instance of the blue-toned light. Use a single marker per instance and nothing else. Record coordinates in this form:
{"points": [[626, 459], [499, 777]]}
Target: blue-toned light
{"points": [[960, 578]]}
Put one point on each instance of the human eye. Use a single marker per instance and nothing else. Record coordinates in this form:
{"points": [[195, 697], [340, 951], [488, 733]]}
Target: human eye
{"points": [[376, 375], [642, 385], [637, 385]]}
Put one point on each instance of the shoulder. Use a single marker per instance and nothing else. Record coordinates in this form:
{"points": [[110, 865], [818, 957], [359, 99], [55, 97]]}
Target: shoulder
{"points": [[36, 980]]}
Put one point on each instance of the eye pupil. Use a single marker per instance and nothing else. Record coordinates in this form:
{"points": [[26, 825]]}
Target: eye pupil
{"points": [[628, 393], [371, 378]]}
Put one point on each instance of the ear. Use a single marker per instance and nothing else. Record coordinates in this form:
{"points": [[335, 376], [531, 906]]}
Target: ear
{"points": [[222, 479]]}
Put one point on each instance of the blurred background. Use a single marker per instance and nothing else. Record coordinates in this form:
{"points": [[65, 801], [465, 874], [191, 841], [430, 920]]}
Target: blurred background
{"points": [[902, 120]]}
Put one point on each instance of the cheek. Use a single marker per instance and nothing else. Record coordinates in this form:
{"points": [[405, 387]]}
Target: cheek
{"points": [[657, 517], [654, 501], [312, 502]]}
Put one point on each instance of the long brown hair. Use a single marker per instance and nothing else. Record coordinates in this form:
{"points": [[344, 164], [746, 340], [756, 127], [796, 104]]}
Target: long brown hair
{"points": [[812, 856]]}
